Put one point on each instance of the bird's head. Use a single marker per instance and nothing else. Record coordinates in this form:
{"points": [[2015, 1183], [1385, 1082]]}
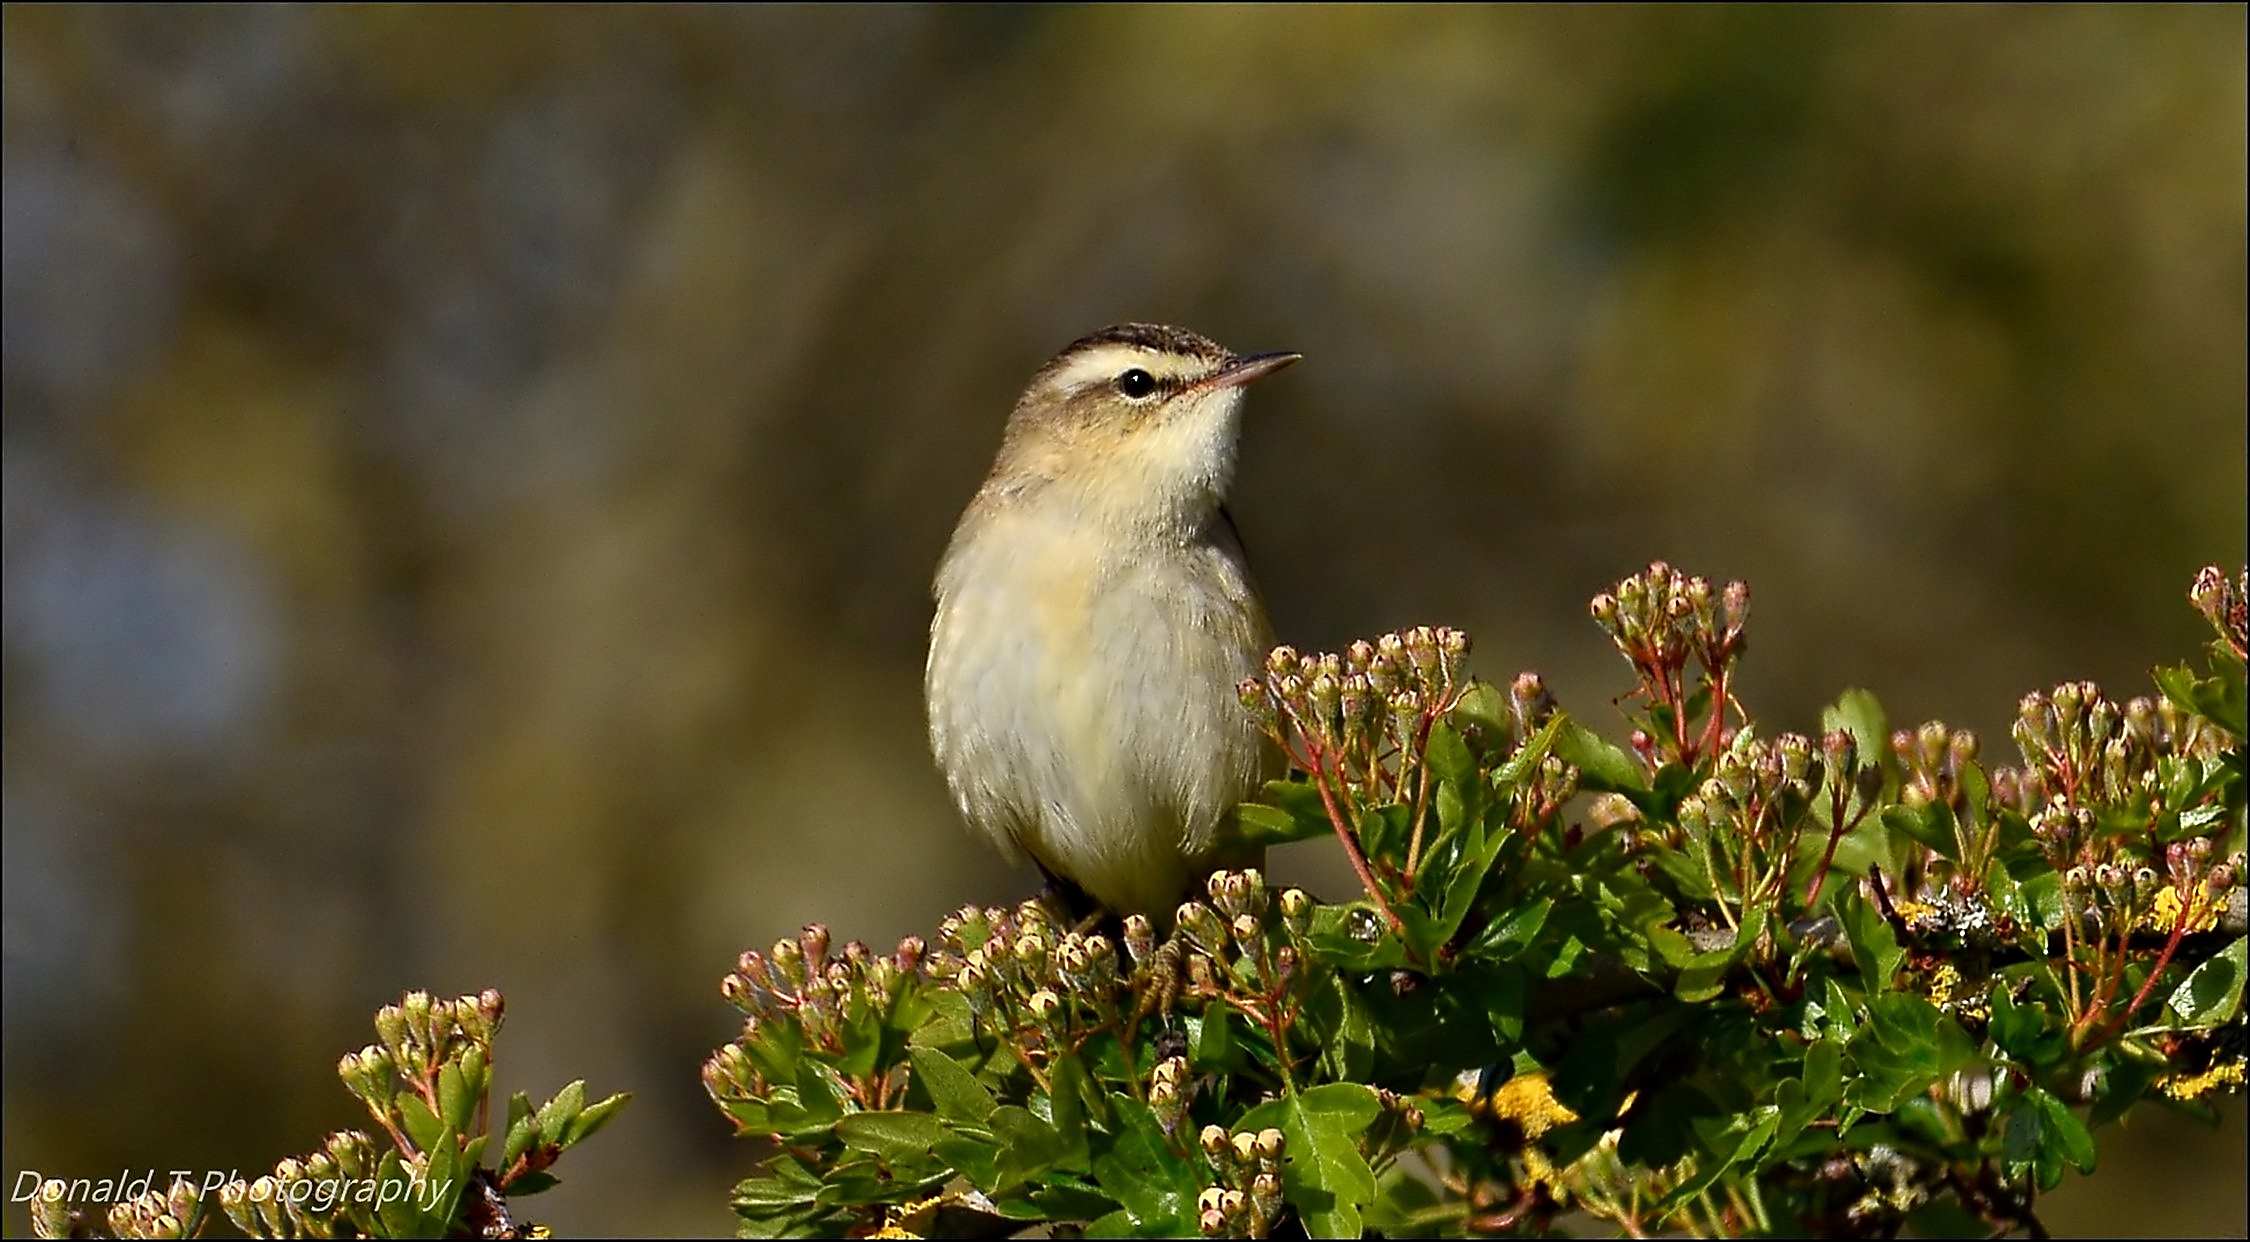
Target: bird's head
{"points": [[1138, 422]]}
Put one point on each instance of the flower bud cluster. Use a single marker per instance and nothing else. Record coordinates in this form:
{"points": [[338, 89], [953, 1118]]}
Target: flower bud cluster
{"points": [[2226, 605], [1029, 980], [419, 1035], [422, 1039], [800, 988], [2196, 888], [176, 1211], [300, 1198], [1930, 759], [1245, 1202], [1244, 944], [1753, 807], [1373, 693], [1396, 1127], [2082, 749], [53, 1216], [1661, 618], [1169, 1092]]}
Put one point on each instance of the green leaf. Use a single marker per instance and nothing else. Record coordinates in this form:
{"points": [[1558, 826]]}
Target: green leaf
{"points": [[1155, 1186], [1479, 854], [1323, 1173], [766, 1192], [556, 1114], [1060, 1201], [441, 1184], [593, 1118], [1859, 713], [1066, 1108], [949, 1026], [2040, 1134], [976, 1159], [1504, 995], [1299, 801], [1725, 1141], [1211, 1045], [2212, 994], [1530, 755], [1352, 936], [2021, 1031], [1803, 1100], [955, 1092], [1265, 825], [1400, 1207], [1028, 1145], [1907, 1044], [2072, 1139], [1449, 757], [1601, 765], [2127, 1081], [1932, 825], [1338, 1020], [1874, 946], [818, 1094], [455, 1103], [862, 1037], [2221, 700], [895, 1135], [420, 1124], [1506, 937], [397, 1207], [520, 1132]]}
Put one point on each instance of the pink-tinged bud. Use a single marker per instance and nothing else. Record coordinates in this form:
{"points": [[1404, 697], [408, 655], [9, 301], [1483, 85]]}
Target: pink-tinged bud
{"points": [[1265, 1193], [1734, 602], [1214, 1140], [1930, 742], [1140, 938]]}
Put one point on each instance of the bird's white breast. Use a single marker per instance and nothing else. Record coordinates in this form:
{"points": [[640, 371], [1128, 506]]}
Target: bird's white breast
{"points": [[1082, 702]]}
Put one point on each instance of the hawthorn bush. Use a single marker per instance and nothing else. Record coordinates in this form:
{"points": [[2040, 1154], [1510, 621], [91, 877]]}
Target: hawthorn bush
{"points": [[1716, 980], [426, 1084], [1710, 981]]}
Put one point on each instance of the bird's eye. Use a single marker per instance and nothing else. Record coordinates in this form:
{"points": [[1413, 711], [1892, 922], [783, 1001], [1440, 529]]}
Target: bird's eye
{"points": [[1136, 383]]}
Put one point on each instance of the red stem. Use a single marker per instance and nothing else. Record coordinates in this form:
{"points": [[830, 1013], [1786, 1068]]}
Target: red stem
{"points": [[1351, 845], [2171, 946]]}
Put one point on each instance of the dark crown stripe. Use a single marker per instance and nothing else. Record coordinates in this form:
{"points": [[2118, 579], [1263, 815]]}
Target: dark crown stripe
{"points": [[1154, 336]]}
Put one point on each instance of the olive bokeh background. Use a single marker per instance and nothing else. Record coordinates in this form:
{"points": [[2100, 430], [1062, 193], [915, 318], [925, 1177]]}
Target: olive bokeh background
{"points": [[472, 475]]}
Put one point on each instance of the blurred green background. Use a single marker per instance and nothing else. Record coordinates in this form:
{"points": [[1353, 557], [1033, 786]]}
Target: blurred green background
{"points": [[473, 475]]}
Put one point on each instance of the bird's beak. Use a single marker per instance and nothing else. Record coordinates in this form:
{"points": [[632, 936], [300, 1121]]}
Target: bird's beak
{"points": [[1242, 370]]}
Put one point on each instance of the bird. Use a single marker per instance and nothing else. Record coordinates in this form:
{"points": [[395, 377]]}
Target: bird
{"points": [[1094, 614]]}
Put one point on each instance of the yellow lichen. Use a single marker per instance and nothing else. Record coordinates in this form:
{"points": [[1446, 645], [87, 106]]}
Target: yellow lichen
{"points": [[2196, 1086], [1528, 1101], [2161, 913], [1942, 982]]}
